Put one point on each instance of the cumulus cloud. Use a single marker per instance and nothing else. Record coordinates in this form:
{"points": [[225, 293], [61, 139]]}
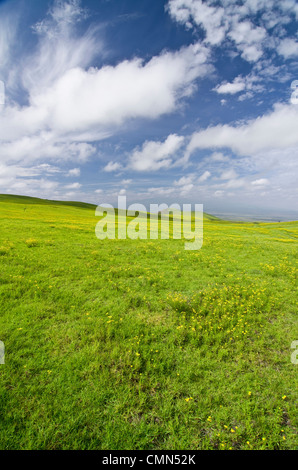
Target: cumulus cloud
{"points": [[248, 40], [71, 104], [203, 14], [219, 193], [185, 184], [229, 22], [250, 84], [161, 191], [30, 186], [231, 88], [74, 172], [263, 154], [126, 182], [204, 176], [155, 155], [44, 147], [288, 48], [81, 99], [73, 186], [228, 174], [112, 166], [275, 130], [67, 104]]}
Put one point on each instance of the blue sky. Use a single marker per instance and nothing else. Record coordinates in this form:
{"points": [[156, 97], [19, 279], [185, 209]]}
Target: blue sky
{"points": [[183, 101]]}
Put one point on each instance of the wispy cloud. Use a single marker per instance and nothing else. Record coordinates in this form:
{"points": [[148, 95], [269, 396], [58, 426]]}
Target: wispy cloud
{"points": [[70, 104]]}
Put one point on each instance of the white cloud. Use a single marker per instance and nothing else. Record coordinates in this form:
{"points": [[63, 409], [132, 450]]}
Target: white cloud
{"points": [[59, 48], [27, 180], [265, 156], [74, 172], [204, 176], [71, 104], [67, 104], [276, 130], [210, 18], [30, 187], [44, 147], [229, 22], [260, 182], [263, 72], [248, 40], [112, 166], [231, 88], [126, 182], [185, 184], [9, 22], [235, 183], [184, 180], [221, 22], [228, 174], [218, 157], [91, 101], [186, 189], [82, 100], [156, 155], [288, 48], [161, 191], [73, 186], [70, 194]]}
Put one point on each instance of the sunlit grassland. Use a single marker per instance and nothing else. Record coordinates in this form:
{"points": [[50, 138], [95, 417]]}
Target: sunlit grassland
{"points": [[140, 344]]}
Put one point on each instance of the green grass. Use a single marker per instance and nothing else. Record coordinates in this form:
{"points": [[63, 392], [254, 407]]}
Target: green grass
{"points": [[122, 344]]}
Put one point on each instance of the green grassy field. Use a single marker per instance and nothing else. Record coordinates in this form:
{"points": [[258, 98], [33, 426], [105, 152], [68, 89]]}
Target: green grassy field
{"points": [[122, 344]]}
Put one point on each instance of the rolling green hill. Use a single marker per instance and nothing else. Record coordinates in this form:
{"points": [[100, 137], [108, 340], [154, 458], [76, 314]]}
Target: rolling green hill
{"points": [[27, 200], [140, 344]]}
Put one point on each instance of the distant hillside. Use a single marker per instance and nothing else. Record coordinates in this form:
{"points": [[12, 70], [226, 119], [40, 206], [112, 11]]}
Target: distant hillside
{"points": [[15, 199], [11, 198]]}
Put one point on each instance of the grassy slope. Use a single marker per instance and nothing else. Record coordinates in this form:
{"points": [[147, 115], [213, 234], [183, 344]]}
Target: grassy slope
{"points": [[27, 200], [141, 344]]}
